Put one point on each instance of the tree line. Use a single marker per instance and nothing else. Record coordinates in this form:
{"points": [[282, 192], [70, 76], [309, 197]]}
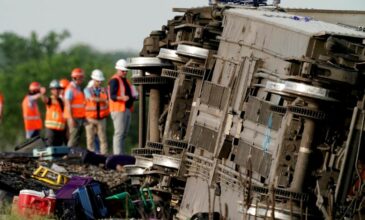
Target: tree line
{"points": [[27, 59]]}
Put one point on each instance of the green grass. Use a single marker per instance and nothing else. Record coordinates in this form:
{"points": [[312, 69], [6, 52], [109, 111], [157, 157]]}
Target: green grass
{"points": [[6, 213]]}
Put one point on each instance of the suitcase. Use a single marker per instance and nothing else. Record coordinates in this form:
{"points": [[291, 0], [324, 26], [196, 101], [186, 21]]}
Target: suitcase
{"points": [[66, 206], [114, 160], [50, 153], [91, 200], [75, 182]]}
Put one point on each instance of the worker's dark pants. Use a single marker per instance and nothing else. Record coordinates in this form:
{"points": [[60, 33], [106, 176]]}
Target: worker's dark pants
{"points": [[32, 133], [55, 137]]}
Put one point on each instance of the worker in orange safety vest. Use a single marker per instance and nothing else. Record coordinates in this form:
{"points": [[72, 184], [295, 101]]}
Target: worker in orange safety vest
{"points": [[121, 97], [97, 110], [55, 123], [1, 106], [75, 107], [31, 114], [63, 84]]}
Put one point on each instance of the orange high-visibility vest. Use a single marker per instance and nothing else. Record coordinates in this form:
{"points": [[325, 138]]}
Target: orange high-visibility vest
{"points": [[91, 110], [31, 115], [1, 103], [119, 105], [1, 99], [77, 103], [54, 116]]}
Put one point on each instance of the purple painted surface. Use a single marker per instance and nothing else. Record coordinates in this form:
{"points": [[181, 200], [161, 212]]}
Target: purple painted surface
{"points": [[75, 182]]}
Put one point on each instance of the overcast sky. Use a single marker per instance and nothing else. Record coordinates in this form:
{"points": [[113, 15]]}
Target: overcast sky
{"points": [[113, 24]]}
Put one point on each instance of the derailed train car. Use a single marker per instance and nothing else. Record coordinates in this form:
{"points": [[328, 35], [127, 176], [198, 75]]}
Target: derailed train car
{"points": [[254, 114]]}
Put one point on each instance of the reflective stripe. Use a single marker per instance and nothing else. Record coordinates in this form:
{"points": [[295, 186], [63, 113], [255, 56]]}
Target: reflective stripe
{"points": [[104, 107], [55, 125], [90, 108], [94, 108], [32, 117], [77, 105]]}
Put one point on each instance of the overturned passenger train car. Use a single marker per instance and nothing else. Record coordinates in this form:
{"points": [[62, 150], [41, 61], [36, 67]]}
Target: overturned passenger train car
{"points": [[260, 113]]}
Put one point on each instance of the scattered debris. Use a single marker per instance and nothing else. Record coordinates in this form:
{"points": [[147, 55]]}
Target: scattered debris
{"points": [[252, 114]]}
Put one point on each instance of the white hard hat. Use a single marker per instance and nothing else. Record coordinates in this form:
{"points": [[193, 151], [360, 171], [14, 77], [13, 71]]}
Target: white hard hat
{"points": [[97, 75], [121, 65], [54, 84]]}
